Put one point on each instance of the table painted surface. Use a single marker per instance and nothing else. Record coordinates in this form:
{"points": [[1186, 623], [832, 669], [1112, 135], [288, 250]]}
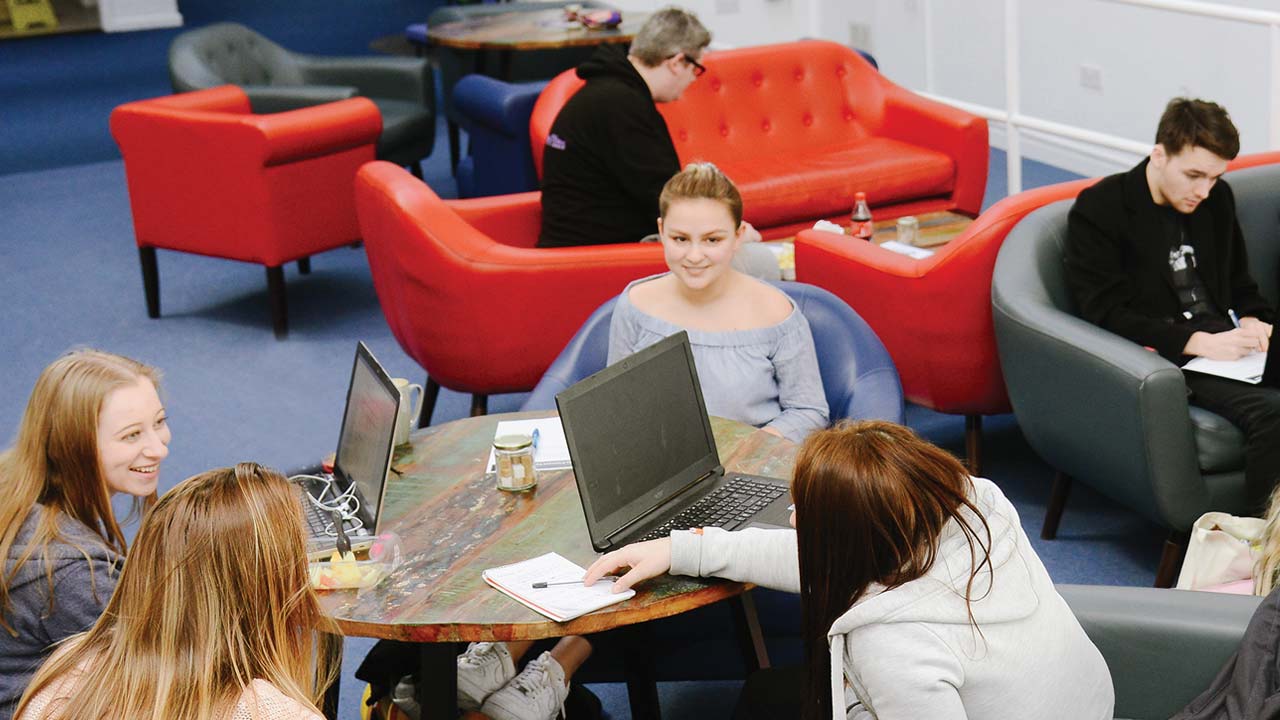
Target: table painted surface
{"points": [[536, 30], [453, 523]]}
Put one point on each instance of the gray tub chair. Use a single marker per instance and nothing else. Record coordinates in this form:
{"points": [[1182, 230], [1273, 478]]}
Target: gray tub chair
{"points": [[1104, 411], [277, 79], [1163, 647]]}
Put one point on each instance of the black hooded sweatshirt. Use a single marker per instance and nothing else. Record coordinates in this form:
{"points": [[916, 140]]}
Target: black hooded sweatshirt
{"points": [[607, 157]]}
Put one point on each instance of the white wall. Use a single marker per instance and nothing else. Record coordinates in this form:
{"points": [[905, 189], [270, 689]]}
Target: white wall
{"points": [[1143, 57]]}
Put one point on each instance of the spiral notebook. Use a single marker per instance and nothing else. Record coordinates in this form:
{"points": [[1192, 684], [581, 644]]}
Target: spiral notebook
{"points": [[558, 602]]}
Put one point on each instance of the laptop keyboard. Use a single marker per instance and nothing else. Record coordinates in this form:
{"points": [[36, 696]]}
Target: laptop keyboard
{"points": [[726, 506]]}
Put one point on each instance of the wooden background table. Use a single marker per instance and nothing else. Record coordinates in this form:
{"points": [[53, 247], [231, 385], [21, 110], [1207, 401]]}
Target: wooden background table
{"points": [[527, 30], [453, 523]]}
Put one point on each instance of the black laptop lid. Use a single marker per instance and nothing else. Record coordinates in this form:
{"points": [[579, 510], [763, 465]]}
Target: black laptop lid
{"points": [[638, 434], [367, 438]]}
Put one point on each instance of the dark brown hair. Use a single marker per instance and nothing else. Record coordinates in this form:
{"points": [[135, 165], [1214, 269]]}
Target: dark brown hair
{"points": [[1189, 123], [871, 500], [702, 181]]}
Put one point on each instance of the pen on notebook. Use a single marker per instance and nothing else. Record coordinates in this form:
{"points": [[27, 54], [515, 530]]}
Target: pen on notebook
{"points": [[541, 585], [1235, 321]]}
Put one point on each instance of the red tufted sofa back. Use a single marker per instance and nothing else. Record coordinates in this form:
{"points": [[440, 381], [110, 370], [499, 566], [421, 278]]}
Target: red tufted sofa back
{"points": [[802, 126]]}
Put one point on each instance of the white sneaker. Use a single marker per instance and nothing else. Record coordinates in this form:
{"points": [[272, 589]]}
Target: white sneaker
{"points": [[537, 693], [482, 669]]}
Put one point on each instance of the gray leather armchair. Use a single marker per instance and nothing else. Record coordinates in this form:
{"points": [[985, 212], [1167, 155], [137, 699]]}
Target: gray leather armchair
{"points": [[1104, 411], [511, 66], [277, 79], [1163, 647]]}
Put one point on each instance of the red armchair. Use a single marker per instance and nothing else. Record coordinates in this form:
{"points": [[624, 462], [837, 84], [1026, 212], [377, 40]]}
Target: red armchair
{"points": [[206, 176], [465, 291], [802, 126], [933, 315]]}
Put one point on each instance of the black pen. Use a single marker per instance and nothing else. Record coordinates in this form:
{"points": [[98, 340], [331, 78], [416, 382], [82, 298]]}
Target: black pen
{"points": [[541, 585]]}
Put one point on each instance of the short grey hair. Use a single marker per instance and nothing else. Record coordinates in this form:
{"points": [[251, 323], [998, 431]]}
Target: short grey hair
{"points": [[667, 32]]}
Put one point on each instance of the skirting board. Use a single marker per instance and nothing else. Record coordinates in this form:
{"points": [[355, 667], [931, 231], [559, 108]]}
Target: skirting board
{"points": [[1079, 157], [125, 23]]}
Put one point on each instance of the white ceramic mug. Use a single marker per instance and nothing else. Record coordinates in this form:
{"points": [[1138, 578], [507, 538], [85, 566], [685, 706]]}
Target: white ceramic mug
{"points": [[408, 410]]}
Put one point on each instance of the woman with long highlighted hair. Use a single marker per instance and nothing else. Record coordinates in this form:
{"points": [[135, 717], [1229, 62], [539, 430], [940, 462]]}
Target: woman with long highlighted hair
{"points": [[94, 427], [213, 617], [920, 593]]}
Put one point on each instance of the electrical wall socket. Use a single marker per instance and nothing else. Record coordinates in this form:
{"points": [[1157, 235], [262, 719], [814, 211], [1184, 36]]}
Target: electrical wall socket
{"points": [[1091, 77], [727, 7], [860, 36]]}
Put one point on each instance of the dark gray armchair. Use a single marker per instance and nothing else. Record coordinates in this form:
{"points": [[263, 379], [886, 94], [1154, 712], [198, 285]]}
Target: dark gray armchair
{"points": [[1104, 411], [277, 80], [511, 66], [1163, 647]]}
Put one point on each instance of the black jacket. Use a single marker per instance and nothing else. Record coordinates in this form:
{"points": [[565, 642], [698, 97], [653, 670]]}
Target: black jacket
{"points": [[1118, 269], [1248, 686], [607, 157]]}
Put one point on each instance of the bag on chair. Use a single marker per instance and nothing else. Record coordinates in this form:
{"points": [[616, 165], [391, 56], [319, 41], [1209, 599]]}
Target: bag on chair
{"points": [[1223, 549]]}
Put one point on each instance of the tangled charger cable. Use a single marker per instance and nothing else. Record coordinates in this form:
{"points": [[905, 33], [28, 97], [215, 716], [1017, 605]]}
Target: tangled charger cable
{"points": [[346, 504]]}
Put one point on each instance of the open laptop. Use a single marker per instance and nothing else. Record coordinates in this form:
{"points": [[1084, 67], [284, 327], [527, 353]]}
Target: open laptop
{"points": [[644, 456], [363, 461]]}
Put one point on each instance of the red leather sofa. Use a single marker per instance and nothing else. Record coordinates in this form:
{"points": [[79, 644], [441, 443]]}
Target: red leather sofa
{"points": [[207, 176], [802, 126], [466, 293]]}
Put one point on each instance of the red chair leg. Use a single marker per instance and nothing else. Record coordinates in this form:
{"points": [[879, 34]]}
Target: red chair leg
{"points": [[279, 306], [479, 404], [428, 402], [973, 443], [150, 280]]}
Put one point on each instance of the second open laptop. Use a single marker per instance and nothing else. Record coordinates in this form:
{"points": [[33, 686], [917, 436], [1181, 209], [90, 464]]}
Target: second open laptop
{"points": [[645, 458], [363, 460]]}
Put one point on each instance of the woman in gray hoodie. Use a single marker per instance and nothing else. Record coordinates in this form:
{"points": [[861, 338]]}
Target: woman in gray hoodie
{"points": [[921, 593], [94, 427]]}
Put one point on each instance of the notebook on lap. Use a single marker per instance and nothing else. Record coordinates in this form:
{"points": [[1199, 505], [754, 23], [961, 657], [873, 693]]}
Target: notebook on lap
{"points": [[644, 456], [362, 462]]}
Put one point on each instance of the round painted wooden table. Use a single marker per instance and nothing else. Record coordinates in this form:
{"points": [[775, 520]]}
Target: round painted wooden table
{"points": [[453, 523]]}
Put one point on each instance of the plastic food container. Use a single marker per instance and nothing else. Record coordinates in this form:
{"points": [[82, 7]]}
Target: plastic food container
{"points": [[345, 573]]}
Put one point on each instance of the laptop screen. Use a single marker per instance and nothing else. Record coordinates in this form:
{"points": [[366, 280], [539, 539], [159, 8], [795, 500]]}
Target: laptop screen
{"points": [[365, 443], [638, 434]]}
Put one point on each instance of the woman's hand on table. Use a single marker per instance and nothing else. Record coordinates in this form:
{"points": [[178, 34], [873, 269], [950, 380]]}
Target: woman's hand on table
{"points": [[646, 560]]}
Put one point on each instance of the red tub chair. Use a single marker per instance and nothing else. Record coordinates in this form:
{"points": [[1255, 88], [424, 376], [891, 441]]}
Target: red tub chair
{"points": [[466, 293]]}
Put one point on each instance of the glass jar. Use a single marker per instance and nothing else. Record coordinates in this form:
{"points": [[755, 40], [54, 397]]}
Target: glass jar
{"points": [[908, 230], [513, 455]]}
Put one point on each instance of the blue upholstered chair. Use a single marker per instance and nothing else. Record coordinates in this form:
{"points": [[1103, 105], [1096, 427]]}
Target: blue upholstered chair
{"points": [[857, 373], [495, 115]]}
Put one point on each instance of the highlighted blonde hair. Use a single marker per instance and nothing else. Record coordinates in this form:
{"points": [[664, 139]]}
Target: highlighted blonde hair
{"points": [[701, 181], [54, 460], [215, 595]]}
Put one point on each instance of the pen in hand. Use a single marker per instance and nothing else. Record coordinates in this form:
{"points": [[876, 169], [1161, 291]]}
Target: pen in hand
{"points": [[541, 585], [1231, 313]]}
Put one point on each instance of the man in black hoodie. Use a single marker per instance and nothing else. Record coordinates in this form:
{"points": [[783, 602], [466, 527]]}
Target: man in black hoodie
{"points": [[609, 153]]}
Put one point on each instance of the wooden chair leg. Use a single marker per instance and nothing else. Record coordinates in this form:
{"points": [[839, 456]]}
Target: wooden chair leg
{"points": [[973, 443], [1175, 549], [428, 402], [150, 280], [479, 405], [455, 145], [1057, 503], [279, 306], [304, 265]]}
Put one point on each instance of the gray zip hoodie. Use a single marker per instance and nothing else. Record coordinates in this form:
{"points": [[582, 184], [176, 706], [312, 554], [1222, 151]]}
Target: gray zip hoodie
{"points": [[84, 575], [912, 652]]}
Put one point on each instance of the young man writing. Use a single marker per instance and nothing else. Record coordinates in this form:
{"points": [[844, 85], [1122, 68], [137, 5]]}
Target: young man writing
{"points": [[1156, 255]]}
